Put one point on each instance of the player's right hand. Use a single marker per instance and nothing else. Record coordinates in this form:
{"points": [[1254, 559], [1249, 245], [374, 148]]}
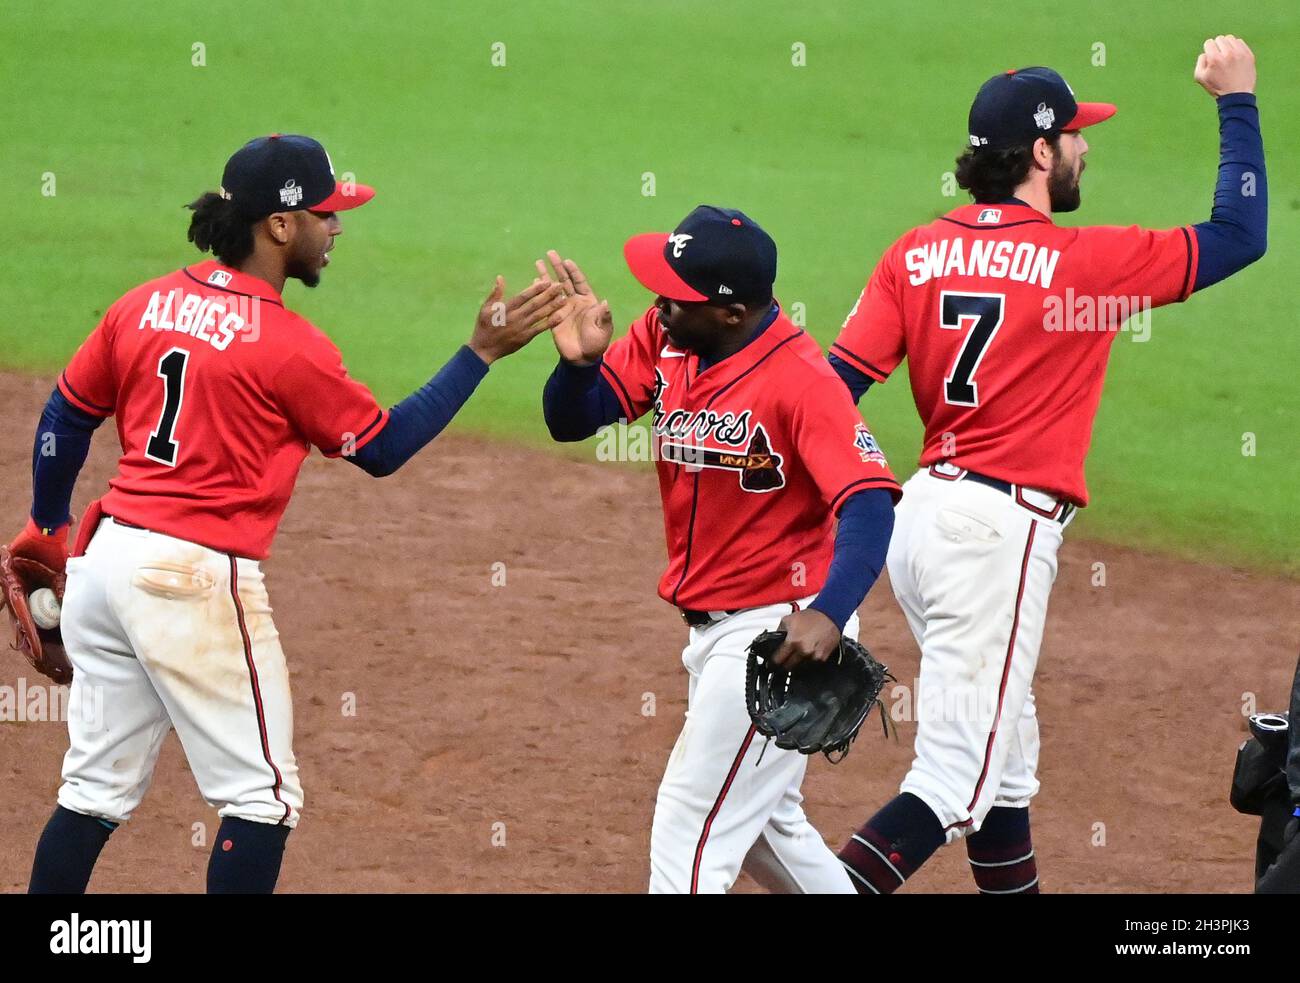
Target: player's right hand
{"points": [[809, 634], [1226, 65], [505, 326], [584, 334]]}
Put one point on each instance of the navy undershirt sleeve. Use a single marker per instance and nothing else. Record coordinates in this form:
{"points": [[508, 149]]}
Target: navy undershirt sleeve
{"points": [[62, 443], [861, 544], [1237, 233], [577, 401], [857, 381], [421, 416]]}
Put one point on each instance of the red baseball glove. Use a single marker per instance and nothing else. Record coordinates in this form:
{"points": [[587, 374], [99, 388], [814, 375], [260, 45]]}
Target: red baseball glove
{"points": [[33, 560]]}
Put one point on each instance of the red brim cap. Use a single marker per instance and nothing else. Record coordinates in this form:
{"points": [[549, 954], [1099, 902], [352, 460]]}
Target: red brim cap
{"points": [[345, 196], [645, 258], [1089, 113]]}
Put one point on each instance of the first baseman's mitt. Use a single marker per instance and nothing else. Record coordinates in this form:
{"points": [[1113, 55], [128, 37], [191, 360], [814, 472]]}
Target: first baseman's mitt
{"points": [[32, 561], [818, 706]]}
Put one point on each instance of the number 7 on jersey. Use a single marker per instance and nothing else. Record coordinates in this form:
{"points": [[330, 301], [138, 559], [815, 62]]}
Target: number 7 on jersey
{"points": [[983, 314]]}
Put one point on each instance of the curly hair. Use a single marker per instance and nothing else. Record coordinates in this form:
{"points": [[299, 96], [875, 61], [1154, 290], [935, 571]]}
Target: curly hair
{"points": [[993, 175], [216, 227]]}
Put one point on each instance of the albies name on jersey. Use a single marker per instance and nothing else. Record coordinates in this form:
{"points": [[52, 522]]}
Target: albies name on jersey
{"points": [[205, 318]]}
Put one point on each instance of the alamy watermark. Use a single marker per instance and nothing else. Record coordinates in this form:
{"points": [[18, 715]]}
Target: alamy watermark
{"points": [[46, 702], [1088, 313], [910, 703]]}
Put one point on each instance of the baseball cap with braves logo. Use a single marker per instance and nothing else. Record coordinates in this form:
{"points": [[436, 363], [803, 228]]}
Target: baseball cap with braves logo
{"points": [[1017, 107], [286, 173], [715, 255]]}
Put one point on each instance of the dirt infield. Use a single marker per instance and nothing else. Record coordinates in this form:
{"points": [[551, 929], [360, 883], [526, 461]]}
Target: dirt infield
{"points": [[500, 740]]}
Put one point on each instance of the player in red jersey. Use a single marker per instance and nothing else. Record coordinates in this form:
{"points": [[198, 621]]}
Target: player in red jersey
{"points": [[758, 449], [1006, 320], [219, 393]]}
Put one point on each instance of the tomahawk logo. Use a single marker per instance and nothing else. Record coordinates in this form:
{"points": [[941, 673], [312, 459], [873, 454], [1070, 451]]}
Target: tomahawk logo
{"points": [[679, 241], [102, 937], [290, 194], [758, 465]]}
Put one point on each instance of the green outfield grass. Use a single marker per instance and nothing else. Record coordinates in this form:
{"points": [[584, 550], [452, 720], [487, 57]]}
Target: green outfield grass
{"points": [[480, 168]]}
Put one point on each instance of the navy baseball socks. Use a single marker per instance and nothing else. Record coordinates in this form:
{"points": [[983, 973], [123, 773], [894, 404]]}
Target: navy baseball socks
{"points": [[67, 851], [892, 845], [1002, 853], [897, 840], [246, 857]]}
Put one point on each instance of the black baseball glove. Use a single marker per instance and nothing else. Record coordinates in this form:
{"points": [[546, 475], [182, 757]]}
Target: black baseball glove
{"points": [[818, 706]]}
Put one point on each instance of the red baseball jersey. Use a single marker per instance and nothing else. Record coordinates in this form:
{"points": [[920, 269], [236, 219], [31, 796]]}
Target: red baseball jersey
{"points": [[219, 393], [1006, 320], [755, 454]]}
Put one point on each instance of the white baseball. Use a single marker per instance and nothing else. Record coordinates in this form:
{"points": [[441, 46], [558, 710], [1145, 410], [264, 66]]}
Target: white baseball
{"points": [[44, 607]]}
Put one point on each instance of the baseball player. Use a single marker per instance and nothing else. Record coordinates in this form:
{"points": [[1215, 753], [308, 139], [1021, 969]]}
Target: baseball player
{"points": [[219, 393], [758, 449], [1006, 320]]}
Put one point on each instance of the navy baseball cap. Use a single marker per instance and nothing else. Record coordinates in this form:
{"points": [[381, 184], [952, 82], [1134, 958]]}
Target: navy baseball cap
{"points": [[717, 255], [287, 173], [1017, 107]]}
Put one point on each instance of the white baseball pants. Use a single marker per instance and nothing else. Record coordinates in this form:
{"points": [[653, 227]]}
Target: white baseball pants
{"points": [[172, 634], [726, 801], [972, 571]]}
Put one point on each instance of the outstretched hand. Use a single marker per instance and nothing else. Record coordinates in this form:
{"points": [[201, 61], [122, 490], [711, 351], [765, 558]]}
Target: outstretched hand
{"points": [[585, 331], [505, 326]]}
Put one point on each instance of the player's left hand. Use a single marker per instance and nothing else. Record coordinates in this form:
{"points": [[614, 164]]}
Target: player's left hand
{"points": [[1226, 65], [35, 559], [50, 549], [809, 634]]}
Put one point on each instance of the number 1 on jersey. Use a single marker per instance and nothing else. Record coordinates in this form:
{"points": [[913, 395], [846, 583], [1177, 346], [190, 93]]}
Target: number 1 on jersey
{"points": [[162, 446], [983, 312]]}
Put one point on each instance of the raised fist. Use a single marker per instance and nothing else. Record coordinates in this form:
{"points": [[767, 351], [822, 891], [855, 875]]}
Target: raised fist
{"points": [[1226, 65]]}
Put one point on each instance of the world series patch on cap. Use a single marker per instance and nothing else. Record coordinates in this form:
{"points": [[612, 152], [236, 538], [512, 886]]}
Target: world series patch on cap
{"points": [[1017, 107], [285, 173]]}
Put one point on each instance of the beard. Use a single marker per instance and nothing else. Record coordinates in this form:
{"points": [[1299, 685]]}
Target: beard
{"points": [[1063, 186], [304, 270]]}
